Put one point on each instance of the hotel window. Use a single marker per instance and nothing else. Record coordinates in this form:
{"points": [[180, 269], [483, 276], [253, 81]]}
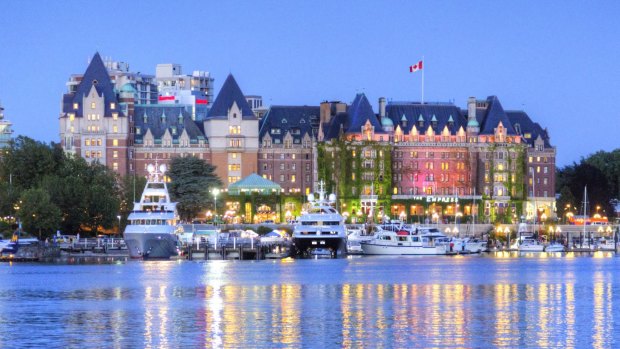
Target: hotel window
{"points": [[115, 142], [87, 155], [115, 116], [545, 181], [87, 142], [115, 129], [99, 154], [281, 178], [293, 178], [234, 155], [112, 105], [98, 142], [75, 105], [115, 166], [545, 169], [531, 159], [115, 154], [281, 166], [293, 167], [234, 130], [71, 116], [293, 156], [93, 105]]}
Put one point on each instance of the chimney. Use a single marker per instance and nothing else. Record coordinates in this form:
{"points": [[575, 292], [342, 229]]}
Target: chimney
{"points": [[325, 112], [471, 108], [382, 107]]}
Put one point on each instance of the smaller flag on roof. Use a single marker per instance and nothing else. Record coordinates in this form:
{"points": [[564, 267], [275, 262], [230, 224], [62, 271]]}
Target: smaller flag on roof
{"points": [[414, 68]]}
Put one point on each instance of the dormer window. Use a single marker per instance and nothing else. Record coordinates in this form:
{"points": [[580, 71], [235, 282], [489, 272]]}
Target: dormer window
{"points": [[93, 105], [302, 121], [434, 121], [145, 118], [174, 130], [420, 122], [234, 115], [115, 116], [284, 121], [518, 128], [75, 106], [138, 131], [276, 131], [450, 121], [112, 105]]}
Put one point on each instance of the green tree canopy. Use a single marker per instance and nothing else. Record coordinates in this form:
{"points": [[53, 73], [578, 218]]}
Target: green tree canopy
{"points": [[191, 181], [37, 212], [87, 195]]}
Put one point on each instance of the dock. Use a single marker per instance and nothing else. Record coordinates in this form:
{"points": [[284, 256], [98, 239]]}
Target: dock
{"points": [[239, 249]]}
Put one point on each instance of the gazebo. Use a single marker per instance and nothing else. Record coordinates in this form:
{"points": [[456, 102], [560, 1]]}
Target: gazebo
{"points": [[254, 199], [254, 184]]}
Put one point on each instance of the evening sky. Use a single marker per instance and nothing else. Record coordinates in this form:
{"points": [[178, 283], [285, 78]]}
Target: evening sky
{"points": [[558, 61]]}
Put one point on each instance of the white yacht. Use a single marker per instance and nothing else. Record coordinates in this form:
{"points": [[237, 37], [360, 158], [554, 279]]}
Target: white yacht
{"points": [[427, 241], [554, 247], [152, 228], [321, 227], [355, 236], [529, 244]]}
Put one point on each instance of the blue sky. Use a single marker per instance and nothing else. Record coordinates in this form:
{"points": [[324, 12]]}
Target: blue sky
{"points": [[558, 61]]}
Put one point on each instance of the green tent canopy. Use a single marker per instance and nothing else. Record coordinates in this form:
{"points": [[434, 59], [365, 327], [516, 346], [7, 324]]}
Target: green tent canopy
{"points": [[254, 183]]}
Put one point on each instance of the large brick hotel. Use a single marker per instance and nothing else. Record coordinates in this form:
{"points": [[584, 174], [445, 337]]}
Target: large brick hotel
{"points": [[430, 161]]}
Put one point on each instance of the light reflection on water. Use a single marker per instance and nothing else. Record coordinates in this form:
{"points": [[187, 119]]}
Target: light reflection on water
{"points": [[499, 301]]}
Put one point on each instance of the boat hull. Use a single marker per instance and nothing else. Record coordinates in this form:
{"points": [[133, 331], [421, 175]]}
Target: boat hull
{"points": [[151, 245], [376, 249], [531, 248], [304, 246], [554, 248]]}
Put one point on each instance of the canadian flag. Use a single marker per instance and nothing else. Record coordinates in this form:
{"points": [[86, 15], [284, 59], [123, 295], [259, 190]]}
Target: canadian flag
{"points": [[415, 67]]}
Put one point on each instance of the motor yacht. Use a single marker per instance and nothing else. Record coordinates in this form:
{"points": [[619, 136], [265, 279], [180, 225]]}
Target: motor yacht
{"points": [[152, 228], [320, 227], [427, 241], [554, 247]]}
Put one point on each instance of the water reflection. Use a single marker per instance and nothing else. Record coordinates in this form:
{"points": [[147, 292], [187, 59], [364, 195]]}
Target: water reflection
{"points": [[501, 302]]}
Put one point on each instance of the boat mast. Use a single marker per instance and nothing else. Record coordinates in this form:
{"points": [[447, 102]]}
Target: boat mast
{"points": [[585, 206]]}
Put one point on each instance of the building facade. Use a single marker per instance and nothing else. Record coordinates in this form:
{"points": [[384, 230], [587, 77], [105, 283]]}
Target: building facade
{"points": [[420, 162]]}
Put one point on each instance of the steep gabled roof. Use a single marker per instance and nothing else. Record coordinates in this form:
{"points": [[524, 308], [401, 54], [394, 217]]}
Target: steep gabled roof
{"points": [[96, 74], [524, 126], [359, 111], [229, 94], [160, 118], [296, 119], [493, 116], [332, 129], [414, 113]]}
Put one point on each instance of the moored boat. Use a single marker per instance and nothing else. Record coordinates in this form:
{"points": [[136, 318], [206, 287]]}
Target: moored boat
{"points": [[321, 227], [152, 225], [427, 242]]}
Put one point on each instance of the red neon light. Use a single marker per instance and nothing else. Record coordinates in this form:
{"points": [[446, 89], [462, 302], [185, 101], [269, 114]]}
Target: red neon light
{"points": [[166, 98], [201, 101]]}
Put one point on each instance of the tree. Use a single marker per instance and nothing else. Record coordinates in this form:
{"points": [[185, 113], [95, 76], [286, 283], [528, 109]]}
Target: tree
{"points": [[566, 202], [26, 162], [38, 213], [191, 182]]}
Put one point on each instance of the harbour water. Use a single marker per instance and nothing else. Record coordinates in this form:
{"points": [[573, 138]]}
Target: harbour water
{"points": [[495, 300]]}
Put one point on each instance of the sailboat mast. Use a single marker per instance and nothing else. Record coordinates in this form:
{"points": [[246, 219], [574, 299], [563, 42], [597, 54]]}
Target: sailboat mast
{"points": [[585, 208]]}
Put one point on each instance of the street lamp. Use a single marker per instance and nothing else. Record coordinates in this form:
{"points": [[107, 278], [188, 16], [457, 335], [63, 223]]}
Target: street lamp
{"points": [[215, 193]]}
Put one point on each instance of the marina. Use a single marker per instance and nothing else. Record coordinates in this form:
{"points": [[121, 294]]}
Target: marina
{"points": [[503, 299]]}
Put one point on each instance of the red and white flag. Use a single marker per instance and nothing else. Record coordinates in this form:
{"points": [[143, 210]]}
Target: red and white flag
{"points": [[415, 67]]}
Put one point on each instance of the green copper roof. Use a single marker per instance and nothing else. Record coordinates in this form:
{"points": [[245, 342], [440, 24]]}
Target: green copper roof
{"points": [[254, 183]]}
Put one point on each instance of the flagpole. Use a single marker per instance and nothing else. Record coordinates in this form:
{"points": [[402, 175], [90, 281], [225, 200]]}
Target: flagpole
{"points": [[423, 68]]}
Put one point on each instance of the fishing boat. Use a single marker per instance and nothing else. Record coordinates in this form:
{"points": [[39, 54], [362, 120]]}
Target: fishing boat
{"points": [[152, 228]]}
